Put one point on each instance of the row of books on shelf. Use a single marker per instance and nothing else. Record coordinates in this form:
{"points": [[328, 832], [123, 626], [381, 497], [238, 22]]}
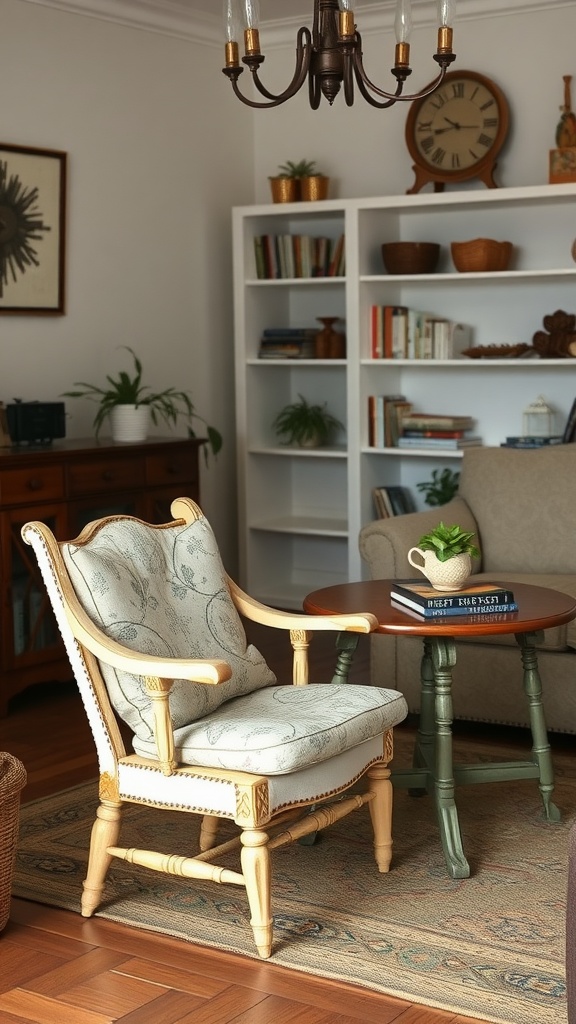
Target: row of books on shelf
{"points": [[392, 500], [392, 423], [294, 256], [288, 343], [398, 332], [422, 600]]}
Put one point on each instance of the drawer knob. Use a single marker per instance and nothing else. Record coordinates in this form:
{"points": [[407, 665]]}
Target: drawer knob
{"points": [[35, 484], [107, 474]]}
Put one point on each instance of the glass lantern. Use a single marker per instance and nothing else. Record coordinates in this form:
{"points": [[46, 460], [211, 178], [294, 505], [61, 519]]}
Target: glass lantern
{"points": [[538, 419]]}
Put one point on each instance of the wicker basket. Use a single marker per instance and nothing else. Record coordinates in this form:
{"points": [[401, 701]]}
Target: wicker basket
{"points": [[12, 780]]}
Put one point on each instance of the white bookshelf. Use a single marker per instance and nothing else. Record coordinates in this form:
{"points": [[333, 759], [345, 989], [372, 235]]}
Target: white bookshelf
{"points": [[300, 511]]}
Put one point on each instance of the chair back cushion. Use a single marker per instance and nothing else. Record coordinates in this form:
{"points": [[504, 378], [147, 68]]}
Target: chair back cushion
{"points": [[523, 501], [163, 591]]}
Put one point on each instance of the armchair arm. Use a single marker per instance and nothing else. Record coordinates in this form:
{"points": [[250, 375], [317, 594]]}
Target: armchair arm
{"points": [[384, 543], [362, 622]]}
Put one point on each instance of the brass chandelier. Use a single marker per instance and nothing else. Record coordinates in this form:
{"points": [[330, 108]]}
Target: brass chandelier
{"points": [[330, 56]]}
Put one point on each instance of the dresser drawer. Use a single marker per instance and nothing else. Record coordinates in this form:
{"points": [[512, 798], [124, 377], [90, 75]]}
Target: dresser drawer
{"points": [[103, 476], [42, 483], [171, 468]]}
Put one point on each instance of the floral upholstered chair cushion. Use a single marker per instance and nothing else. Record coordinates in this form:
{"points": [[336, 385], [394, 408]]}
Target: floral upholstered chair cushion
{"points": [[164, 592]]}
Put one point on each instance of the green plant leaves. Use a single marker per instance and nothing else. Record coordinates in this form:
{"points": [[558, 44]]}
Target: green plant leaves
{"points": [[303, 423], [448, 541]]}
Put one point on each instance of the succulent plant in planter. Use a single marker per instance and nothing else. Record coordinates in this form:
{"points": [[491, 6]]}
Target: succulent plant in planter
{"points": [[446, 553], [305, 424], [448, 541], [127, 391], [299, 180]]}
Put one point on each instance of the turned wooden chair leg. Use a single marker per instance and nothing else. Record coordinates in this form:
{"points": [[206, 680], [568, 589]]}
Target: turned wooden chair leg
{"points": [[255, 858], [208, 832], [381, 815], [105, 832]]}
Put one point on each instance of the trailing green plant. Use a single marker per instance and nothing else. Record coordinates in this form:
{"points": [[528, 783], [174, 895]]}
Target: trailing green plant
{"points": [[441, 488], [448, 541], [304, 423], [128, 389], [302, 169]]}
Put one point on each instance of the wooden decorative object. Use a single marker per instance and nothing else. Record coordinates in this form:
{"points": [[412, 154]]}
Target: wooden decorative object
{"points": [[558, 339], [563, 158]]}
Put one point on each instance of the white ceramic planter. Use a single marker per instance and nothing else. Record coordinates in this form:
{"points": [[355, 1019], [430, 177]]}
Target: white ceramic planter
{"points": [[446, 576], [130, 422]]}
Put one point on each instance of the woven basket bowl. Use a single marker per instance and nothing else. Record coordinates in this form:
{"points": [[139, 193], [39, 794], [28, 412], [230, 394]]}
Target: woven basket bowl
{"points": [[481, 255], [12, 780], [410, 257]]}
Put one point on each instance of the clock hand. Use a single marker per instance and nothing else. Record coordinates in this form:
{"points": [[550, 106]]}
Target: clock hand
{"points": [[455, 124]]}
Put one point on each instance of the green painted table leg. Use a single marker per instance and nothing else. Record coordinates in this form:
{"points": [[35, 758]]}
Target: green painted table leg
{"points": [[346, 644], [443, 652], [423, 755], [540, 745]]}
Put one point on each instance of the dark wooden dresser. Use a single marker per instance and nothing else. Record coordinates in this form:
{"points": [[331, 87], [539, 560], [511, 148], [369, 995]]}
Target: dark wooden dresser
{"points": [[66, 485]]}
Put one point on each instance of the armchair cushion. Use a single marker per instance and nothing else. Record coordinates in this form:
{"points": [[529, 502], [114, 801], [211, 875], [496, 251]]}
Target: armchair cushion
{"points": [[284, 728], [164, 593]]}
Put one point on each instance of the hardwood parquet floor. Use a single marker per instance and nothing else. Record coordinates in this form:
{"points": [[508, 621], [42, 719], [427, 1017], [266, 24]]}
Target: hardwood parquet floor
{"points": [[59, 968]]}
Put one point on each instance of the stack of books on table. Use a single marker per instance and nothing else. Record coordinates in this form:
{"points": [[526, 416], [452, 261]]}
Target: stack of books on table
{"points": [[431, 430], [287, 343], [427, 603], [531, 441]]}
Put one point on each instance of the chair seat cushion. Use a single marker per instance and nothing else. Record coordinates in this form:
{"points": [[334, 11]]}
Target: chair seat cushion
{"points": [[281, 729]]}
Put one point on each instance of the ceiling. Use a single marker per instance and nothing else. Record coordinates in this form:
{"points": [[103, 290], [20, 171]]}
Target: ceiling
{"points": [[270, 10]]}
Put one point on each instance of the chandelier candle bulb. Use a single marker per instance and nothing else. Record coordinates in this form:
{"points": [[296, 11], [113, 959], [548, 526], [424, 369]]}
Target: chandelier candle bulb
{"points": [[232, 32], [403, 21], [446, 11]]}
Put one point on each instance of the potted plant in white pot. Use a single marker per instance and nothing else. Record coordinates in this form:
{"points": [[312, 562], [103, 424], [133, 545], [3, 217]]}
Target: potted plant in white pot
{"points": [[447, 553], [130, 405], [306, 424]]}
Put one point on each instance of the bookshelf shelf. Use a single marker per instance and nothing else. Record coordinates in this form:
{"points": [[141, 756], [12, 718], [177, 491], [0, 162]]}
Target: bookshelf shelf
{"points": [[300, 512]]}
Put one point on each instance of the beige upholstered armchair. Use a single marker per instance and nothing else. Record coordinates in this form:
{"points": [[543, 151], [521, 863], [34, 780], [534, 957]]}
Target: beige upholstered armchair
{"points": [[520, 504], [152, 627]]}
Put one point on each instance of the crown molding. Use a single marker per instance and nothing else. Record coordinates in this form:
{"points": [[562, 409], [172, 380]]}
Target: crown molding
{"points": [[175, 17]]}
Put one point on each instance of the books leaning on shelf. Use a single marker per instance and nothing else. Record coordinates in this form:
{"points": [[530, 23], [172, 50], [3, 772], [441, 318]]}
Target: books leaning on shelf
{"points": [[385, 419], [475, 599], [287, 343], [398, 332], [295, 256], [393, 500]]}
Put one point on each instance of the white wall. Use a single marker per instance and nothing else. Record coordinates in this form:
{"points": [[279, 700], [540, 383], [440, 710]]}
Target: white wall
{"points": [[156, 160], [526, 51], [159, 152]]}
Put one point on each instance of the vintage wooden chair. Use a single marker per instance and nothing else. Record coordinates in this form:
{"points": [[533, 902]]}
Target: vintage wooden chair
{"points": [[152, 626]]}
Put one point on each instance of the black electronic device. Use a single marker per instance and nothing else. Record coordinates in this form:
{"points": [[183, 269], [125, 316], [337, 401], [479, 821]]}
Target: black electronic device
{"points": [[36, 423]]}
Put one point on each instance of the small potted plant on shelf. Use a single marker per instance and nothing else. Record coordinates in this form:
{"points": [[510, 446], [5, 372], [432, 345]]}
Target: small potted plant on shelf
{"points": [[441, 488], [447, 553], [131, 404], [297, 181], [306, 425]]}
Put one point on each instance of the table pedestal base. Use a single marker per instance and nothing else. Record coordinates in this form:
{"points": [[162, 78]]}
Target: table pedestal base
{"points": [[433, 769]]}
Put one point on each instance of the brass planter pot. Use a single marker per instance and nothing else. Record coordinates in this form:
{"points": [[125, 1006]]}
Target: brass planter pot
{"points": [[284, 190], [314, 187]]}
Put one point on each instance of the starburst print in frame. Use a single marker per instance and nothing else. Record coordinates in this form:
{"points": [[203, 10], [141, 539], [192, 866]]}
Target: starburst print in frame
{"points": [[32, 230]]}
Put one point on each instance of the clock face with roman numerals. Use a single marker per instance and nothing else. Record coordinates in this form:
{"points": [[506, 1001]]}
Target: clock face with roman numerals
{"points": [[457, 132]]}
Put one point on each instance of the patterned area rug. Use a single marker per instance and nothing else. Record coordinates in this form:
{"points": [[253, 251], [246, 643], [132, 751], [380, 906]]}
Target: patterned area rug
{"points": [[491, 946]]}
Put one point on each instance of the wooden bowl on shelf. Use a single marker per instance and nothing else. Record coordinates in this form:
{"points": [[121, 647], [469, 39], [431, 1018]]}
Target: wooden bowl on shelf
{"points": [[410, 257], [481, 255]]}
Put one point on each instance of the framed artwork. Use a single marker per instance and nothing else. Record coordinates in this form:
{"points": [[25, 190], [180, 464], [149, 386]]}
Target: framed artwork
{"points": [[32, 230]]}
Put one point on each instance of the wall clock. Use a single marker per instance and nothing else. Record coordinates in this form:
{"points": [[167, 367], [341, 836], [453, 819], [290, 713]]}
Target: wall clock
{"points": [[456, 133]]}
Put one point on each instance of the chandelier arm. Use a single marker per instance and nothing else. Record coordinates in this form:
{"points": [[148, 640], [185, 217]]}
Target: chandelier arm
{"points": [[303, 59], [364, 83], [348, 79]]}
